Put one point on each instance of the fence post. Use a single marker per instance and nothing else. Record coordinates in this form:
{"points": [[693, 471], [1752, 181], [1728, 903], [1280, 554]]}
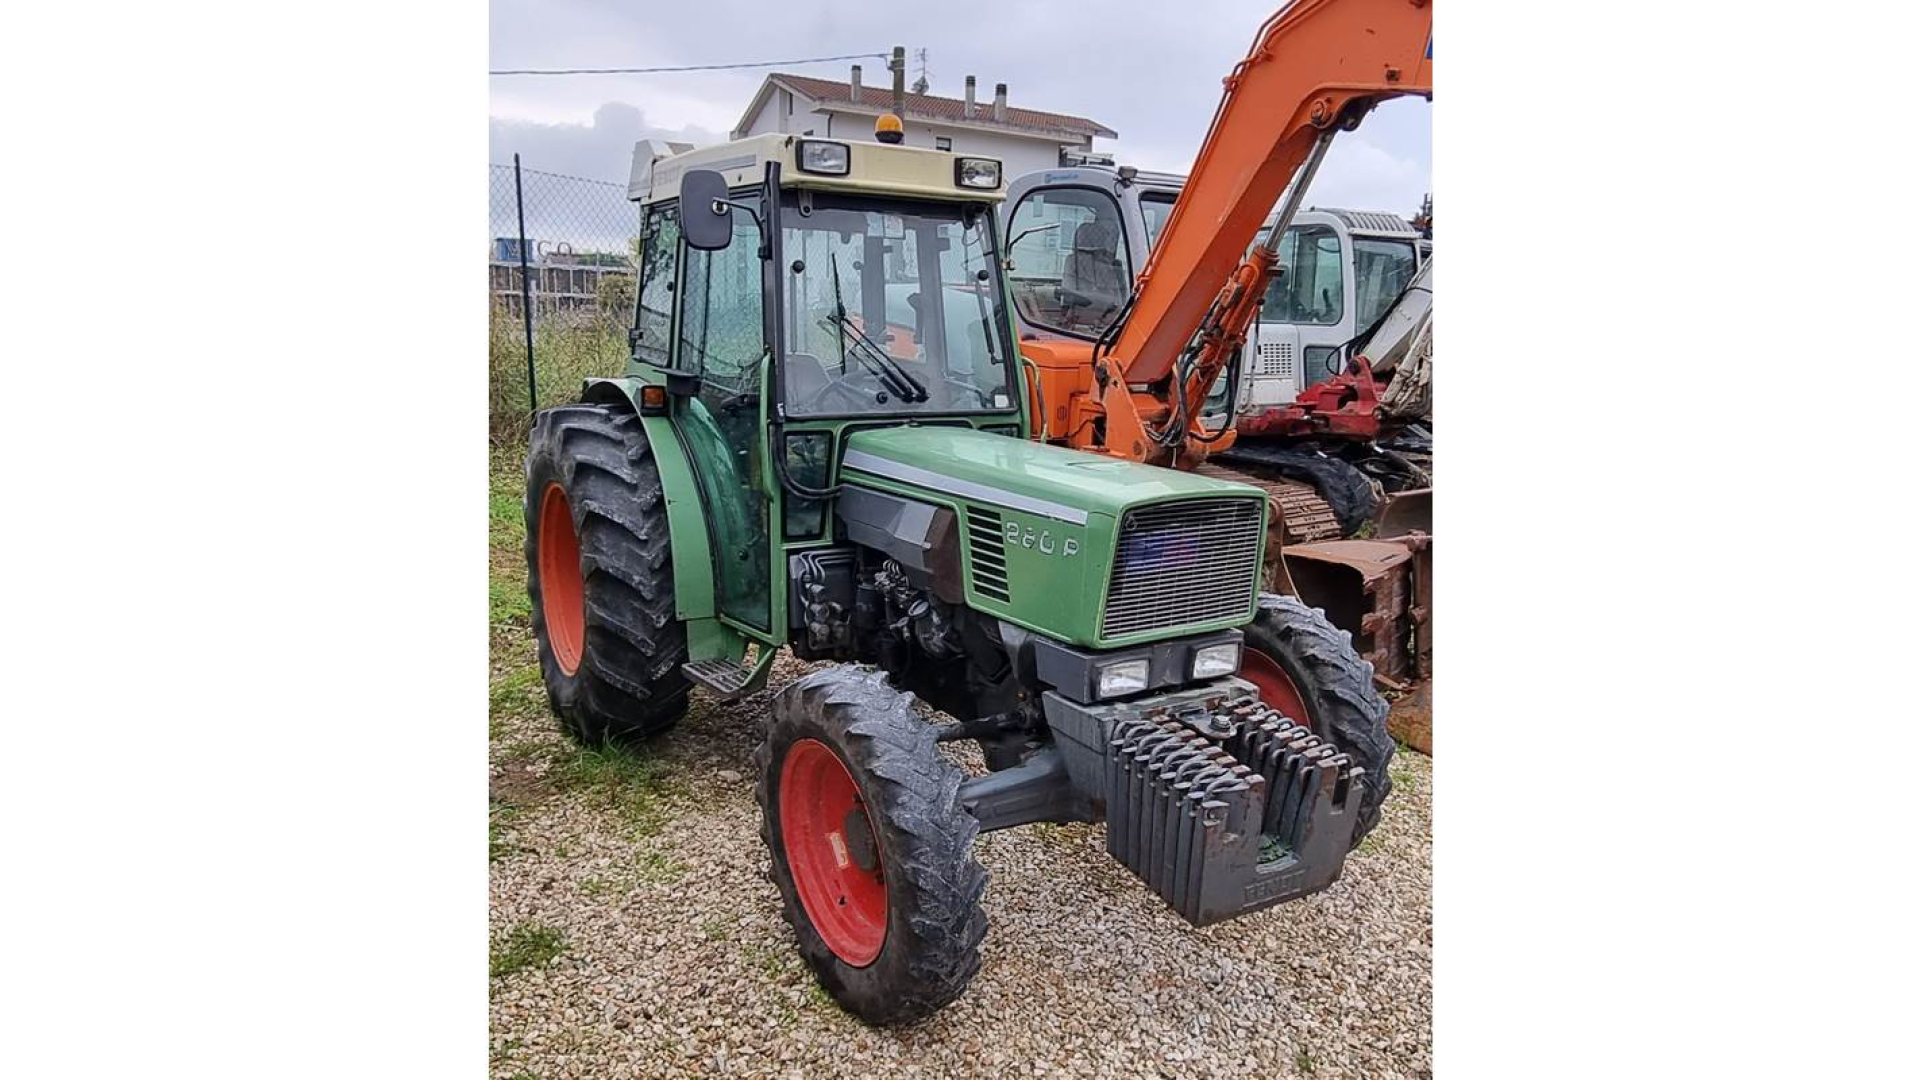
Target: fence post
{"points": [[526, 293]]}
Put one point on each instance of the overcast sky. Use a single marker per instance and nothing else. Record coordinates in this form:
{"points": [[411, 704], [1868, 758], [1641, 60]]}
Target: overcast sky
{"points": [[1150, 71]]}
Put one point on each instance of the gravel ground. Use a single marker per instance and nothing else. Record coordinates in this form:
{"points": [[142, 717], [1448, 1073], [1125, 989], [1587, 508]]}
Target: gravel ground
{"points": [[636, 932], [672, 957]]}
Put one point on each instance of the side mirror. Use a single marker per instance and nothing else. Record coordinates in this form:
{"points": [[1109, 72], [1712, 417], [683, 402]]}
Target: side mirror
{"points": [[705, 218]]}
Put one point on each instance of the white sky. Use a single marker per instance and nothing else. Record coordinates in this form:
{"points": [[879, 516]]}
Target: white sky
{"points": [[1150, 71]]}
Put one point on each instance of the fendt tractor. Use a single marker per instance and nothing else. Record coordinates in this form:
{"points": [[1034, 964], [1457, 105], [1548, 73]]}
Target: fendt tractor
{"points": [[821, 443]]}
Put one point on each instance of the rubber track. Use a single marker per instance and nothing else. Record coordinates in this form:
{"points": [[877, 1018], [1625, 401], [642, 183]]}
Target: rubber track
{"points": [[1346, 489], [1304, 516]]}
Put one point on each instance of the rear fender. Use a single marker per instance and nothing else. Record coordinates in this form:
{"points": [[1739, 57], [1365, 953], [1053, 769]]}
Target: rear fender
{"points": [[693, 593]]}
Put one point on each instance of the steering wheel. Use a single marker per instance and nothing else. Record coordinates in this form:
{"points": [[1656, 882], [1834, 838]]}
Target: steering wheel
{"points": [[967, 387], [842, 384]]}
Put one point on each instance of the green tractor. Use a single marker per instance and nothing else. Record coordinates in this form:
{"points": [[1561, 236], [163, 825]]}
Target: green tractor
{"points": [[821, 443]]}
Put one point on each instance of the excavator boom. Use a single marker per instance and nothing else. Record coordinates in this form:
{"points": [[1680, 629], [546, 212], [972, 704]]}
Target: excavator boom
{"points": [[1316, 66], [1312, 61]]}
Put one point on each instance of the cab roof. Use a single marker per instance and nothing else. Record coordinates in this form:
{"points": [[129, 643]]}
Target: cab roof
{"points": [[873, 167]]}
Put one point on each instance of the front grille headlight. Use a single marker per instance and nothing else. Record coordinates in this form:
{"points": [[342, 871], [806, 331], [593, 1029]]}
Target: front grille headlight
{"points": [[1216, 660], [1121, 678]]}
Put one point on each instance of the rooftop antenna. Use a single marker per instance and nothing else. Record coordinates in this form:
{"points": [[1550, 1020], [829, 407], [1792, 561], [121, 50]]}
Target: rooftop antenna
{"points": [[920, 84]]}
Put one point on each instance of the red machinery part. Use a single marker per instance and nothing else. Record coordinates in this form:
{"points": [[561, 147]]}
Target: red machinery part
{"points": [[820, 815]]}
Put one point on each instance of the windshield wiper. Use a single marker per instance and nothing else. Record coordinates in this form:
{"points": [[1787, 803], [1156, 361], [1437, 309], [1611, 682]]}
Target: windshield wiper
{"points": [[889, 371], [876, 360]]}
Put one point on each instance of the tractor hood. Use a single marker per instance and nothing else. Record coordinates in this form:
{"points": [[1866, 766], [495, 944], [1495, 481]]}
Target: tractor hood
{"points": [[1089, 550], [1017, 474]]}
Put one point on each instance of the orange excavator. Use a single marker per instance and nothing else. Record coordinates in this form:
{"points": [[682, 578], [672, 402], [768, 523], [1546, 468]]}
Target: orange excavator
{"points": [[1316, 67]]}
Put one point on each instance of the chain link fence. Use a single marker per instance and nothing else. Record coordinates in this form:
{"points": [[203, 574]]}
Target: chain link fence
{"points": [[572, 268]]}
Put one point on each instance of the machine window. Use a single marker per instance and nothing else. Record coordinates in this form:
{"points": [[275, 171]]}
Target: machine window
{"points": [[1069, 260], [653, 316], [1381, 271], [1156, 207], [890, 311], [1309, 287], [720, 330]]}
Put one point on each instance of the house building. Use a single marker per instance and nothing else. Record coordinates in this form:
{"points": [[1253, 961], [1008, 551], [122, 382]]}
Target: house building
{"points": [[1023, 139], [559, 279]]}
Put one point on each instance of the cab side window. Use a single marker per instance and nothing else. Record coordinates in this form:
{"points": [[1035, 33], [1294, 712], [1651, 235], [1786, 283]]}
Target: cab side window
{"points": [[720, 330], [1156, 208], [653, 317], [1382, 270]]}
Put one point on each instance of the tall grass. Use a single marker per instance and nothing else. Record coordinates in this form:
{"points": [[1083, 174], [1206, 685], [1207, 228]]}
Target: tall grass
{"points": [[567, 348]]}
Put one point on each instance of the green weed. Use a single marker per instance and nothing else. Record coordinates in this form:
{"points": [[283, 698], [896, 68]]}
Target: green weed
{"points": [[525, 946]]}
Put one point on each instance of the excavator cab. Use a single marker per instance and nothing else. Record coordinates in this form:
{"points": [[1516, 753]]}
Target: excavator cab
{"points": [[1072, 263]]}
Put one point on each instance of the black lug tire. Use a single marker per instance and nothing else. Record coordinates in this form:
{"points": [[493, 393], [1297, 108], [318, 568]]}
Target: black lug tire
{"points": [[1346, 489], [1337, 685], [935, 921], [628, 684]]}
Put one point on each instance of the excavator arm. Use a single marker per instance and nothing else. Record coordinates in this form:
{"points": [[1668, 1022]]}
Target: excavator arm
{"points": [[1316, 67]]}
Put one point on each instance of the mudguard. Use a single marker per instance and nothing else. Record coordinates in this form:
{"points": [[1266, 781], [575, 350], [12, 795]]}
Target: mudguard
{"points": [[693, 592]]}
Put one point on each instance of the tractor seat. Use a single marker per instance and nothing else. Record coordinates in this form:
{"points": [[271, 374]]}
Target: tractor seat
{"points": [[1092, 278], [806, 376]]}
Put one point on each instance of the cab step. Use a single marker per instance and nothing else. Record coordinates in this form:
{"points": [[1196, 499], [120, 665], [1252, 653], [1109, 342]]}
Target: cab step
{"points": [[723, 677]]}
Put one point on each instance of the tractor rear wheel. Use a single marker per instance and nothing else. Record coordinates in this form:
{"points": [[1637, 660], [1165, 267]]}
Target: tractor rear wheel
{"points": [[1309, 670], [600, 574], [871, 849]]}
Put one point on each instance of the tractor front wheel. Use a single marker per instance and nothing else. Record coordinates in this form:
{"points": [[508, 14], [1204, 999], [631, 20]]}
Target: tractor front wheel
{"points": [[871, 850], [600, 575], [1309, 671]]}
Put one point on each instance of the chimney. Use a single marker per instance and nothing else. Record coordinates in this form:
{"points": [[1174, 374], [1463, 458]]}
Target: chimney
{"points": [[899, 66], [999, 101], [856, 82], [968, 112]]}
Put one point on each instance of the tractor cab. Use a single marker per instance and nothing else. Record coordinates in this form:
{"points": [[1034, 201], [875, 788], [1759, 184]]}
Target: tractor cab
{"points": [[824, 287]]}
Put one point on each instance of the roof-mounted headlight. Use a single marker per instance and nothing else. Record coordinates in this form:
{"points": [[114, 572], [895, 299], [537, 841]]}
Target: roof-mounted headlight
{"points": [[826, 158], [976, 172]]}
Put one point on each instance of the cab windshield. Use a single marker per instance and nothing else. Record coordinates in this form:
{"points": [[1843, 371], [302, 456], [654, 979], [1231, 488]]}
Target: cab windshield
{"points": [[890, 308]]}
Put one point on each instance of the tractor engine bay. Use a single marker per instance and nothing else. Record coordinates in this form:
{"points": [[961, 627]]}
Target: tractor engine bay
{"points": [[854, 603]]}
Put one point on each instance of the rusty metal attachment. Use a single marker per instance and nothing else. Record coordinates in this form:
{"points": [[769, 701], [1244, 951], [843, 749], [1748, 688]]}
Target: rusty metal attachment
{"points": [[1403, 513], [1363, 586]]}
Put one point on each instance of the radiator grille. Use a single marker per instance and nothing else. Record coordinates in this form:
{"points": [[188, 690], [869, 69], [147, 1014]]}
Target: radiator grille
{"points": [[987, 547], [1276, 358], [1183, 563]]}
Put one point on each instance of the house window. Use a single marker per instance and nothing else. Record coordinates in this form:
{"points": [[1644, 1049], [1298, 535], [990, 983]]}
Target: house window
{"points": [[941, 142]]}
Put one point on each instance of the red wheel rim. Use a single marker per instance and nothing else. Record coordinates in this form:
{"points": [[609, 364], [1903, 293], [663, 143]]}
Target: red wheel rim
{"points": [[1276, 687], [846, 904], [563, 597]]}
